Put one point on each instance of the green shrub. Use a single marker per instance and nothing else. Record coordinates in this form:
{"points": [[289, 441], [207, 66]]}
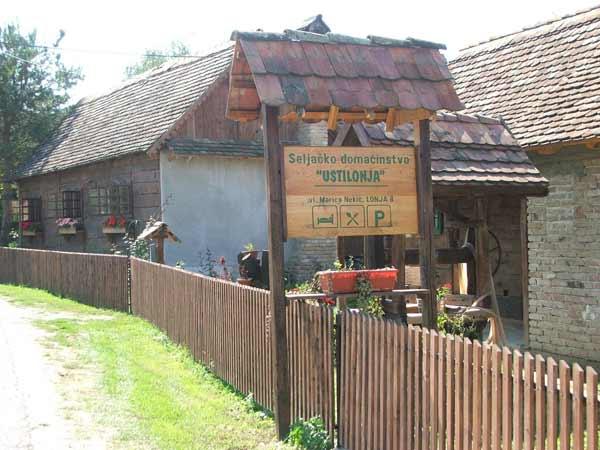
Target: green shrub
{"points": [[310, 435], [458, 325]]}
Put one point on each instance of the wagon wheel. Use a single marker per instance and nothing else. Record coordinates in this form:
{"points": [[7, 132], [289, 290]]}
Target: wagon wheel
{"points": [[495, 253]]}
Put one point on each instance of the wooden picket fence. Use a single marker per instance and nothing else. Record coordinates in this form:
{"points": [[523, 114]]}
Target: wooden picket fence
{"points": [[93, 279], [226, 326], [409, 388], [395, 387]]}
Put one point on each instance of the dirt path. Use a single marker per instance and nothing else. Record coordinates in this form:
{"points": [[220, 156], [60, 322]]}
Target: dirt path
{"points": [[32, 410]]}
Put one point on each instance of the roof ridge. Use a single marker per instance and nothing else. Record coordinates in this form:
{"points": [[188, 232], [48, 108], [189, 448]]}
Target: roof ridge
{"points": [[154, 72], [532, 27], [334, 38]]}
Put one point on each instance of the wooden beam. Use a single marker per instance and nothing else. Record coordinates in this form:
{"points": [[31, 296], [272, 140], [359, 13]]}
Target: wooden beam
{"points": [[425, 208], [550, 149], [398, 261], [390, 120], [242, 116], [442, 256], [273, 165], [160, 250], [483, 267], [525, 269], [369, 252], [332, 120], [482, 245]]}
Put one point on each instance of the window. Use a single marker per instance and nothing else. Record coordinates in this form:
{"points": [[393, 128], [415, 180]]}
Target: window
{"points": [[14, 211], [114, 200], [54, 207], [71, 204], [31, 210]]}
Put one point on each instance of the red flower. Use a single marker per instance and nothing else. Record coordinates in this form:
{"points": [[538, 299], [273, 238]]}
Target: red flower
{"points": [[122, 222], [111, 221], [26, 225]]}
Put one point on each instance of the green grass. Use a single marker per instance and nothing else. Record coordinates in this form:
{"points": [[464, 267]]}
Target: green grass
{"points": [[176, 403]]}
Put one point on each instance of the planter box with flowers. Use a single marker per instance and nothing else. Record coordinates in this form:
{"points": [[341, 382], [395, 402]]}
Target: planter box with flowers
{"points": [[68, 226], [112, 225], [30, 229], [346, 281]]}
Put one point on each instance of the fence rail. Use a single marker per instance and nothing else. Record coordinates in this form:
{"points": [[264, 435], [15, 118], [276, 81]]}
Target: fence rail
{"points": [[96, 280], [227, 327], [397, 387], [406, 387]]}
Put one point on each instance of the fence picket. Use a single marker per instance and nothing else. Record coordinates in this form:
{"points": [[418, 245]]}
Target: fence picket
{"points": [[578, 407], [564, 374], [591, 405], [540, 403], [398, 387]]}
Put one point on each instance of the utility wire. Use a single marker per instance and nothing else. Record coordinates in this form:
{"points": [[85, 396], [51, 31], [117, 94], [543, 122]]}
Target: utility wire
{"points": [[16, 57], [110, 52]]}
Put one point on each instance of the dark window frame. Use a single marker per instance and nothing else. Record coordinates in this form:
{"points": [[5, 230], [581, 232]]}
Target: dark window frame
{"points": [[72, 206], [31, 210], [113, 200]]}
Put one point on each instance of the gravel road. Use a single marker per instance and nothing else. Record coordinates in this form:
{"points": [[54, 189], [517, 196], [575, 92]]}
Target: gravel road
{"points": [[32, 411]]}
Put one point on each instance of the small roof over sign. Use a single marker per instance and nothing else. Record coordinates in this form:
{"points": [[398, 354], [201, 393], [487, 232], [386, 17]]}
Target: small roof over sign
{"points": [[315, 72], [158, 230]]}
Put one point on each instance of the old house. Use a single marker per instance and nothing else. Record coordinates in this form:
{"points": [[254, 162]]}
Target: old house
{"points": [[544, 82], [96, 164]]}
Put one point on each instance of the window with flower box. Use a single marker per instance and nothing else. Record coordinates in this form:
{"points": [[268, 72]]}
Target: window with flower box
{"points": [[71, 205], [115, 200], [31, 210]]}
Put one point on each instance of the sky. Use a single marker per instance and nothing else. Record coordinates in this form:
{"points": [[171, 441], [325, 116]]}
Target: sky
{"points": [[103, 37]]}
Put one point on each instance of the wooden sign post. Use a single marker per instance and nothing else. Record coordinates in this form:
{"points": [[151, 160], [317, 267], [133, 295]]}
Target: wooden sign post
{"points": [[273, 165], [425, 196]]}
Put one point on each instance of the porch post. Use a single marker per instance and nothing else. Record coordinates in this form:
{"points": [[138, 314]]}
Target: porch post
{"points": [[425, 210], [275, 213]]}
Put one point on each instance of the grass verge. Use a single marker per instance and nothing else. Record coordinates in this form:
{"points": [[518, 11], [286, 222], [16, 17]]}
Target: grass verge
{"points": [[177, 403]]}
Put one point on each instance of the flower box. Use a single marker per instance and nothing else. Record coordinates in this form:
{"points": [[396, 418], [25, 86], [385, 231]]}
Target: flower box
{"points": [[344, 282], [67, 230], [30, 233], [113, 230]]}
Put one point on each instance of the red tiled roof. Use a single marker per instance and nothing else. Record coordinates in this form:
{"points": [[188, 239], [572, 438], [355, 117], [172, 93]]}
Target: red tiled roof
{"points": [[544, 81], [467, 151], [317, 71]]}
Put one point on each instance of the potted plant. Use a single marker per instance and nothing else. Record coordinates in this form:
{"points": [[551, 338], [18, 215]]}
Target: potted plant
{"points": [[30, 229], [344, 280], [248, 265], [112, 225], [68, 226], [244, 278]]}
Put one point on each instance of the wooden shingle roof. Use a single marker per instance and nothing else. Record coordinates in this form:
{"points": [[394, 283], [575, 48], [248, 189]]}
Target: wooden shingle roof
{"points": [[544, 81], [127, 120], [317, 71], [466, 151]]}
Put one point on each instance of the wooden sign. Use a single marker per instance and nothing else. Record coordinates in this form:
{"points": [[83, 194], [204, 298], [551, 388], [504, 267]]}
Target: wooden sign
{"points": [[350, 191]]}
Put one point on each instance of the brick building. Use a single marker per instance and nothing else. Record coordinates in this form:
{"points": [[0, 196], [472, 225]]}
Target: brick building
{"points": [[544, 82]]}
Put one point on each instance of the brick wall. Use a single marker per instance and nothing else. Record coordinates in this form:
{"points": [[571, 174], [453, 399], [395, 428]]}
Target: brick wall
{"points": [[138, 172], [564, 257], [309, 255]]}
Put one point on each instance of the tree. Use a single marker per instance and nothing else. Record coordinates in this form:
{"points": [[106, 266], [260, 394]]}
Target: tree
{"points": [[34, 85], [154, 58]]}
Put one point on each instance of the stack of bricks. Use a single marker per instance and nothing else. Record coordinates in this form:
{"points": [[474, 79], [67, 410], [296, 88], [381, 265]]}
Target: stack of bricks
{"points": [[564, 258]]}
